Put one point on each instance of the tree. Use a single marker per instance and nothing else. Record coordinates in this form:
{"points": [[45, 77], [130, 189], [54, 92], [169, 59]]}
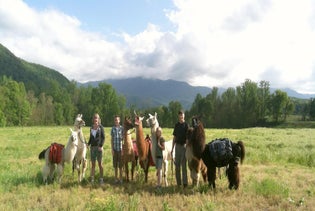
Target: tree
{"points": [[248, 99], [278, 102], [173, 108], [312, 108], [15, 106], [263, 100]]}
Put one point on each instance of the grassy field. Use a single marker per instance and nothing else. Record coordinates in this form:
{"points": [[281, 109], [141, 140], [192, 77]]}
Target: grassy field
{"points": [[278, 174]]}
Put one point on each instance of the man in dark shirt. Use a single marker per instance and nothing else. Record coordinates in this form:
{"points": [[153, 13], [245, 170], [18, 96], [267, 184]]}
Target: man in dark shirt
{"points": [[179, 141]]}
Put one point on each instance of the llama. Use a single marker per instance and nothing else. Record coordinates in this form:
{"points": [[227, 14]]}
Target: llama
{"points": [[143, 145], [57, 154], [194, 149], [153, 123], [129, 154], [80, 156]]}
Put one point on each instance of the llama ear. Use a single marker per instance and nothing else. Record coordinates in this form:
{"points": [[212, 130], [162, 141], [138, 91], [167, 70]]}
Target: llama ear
{"points": [[150, 115], [155, 114], [134, 111], [71, 130]]}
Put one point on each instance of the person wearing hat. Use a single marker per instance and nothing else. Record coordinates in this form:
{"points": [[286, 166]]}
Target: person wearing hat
{"points": [[179, 142]]}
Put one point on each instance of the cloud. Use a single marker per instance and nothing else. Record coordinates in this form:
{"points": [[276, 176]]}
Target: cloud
{"points": [[214, 43]]}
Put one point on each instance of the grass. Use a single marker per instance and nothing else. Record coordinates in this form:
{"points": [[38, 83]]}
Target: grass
{"points": [[278, 174]]}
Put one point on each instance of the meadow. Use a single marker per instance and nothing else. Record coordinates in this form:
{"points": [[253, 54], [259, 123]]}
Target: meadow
{"points": [[278, 174]]}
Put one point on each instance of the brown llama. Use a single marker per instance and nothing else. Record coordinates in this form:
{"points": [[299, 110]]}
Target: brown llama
{"points": [[195, 163], [143, 145], [129, 154]]}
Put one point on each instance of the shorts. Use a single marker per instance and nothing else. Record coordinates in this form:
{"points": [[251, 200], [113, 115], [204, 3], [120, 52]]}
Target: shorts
{"points": [[96, 154], [158, 163], [117, 160]]}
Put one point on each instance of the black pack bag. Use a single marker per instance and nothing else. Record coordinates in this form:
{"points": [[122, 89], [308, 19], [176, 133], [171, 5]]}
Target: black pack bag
{"points": [[221, 151]]}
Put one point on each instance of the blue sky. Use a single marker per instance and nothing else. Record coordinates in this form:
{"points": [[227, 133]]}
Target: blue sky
{"points": [[202, 42], [111, 16]]}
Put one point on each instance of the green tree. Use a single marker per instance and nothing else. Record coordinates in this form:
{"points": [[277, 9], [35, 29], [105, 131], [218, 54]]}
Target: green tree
{"points": [[248, 99], [278, 102], [263, 101], [106, 103], [15, 107], [229, 109], [312, 109], [173, 108]]}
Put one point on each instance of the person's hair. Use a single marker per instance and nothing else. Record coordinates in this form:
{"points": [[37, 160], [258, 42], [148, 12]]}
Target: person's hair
{"points": [[116, 116], [181, 112], [98, 116], [159, 128]]}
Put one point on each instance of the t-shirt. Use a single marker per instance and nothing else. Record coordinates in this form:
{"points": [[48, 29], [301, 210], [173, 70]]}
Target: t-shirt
{"points": [[159, 151], [179, 132]]}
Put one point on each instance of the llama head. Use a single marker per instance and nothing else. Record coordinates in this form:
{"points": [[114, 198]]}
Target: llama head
{"points": [[195, 122], [79, 122], [152, 120], [128, 124], [138, 119]]}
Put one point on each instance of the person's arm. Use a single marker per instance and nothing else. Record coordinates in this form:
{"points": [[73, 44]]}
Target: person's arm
{"points": [[161, 143], [102, 136], [90, 139]]}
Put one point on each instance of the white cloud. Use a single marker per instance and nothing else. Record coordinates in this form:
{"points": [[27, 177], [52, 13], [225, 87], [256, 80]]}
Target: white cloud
{"points": [[215, 43]]}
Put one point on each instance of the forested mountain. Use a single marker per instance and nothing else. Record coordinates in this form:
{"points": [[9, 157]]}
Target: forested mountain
{"points": [[34, 76], [146, 93]]}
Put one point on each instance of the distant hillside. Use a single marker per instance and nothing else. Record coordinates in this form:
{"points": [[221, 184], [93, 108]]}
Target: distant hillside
{"points": [[293, 93], [34, 76], [145, 93]]}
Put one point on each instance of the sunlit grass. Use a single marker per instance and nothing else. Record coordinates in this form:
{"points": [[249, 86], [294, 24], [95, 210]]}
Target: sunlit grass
{"points": [[277, 174]]}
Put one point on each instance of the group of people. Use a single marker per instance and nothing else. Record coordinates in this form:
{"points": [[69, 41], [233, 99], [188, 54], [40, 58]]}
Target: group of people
{"points": [[97, 139]]}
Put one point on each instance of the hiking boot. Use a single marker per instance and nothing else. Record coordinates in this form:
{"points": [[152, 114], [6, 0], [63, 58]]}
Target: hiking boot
{"points": [[101, 181]]}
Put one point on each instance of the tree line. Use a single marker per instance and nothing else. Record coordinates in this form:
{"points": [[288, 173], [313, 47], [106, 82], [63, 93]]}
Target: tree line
{"points": [[247, 105]]}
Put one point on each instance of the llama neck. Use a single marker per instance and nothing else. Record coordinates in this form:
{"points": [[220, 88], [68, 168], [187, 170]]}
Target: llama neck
{"points": [[154, 140], [140, 142], [69, 151], [198, 141], [128, 140]]}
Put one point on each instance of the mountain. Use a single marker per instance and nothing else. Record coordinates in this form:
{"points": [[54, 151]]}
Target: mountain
{"points": [[293, 93], [144, 93], [34, 76]]}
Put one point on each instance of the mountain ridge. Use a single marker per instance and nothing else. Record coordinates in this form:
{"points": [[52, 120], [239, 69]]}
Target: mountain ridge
{"points": [[165, 91]]}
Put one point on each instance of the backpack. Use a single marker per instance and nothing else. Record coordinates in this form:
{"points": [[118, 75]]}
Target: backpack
{"points": [[221, 151], [55, 152]]}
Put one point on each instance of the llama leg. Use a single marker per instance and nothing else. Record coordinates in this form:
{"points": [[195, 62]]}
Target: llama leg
{"points": [[126, 171], [211, 176], [133, 166], [146, 169], [45, 172], [51, 171], [79, 173], [84, 167], [165, 170], [59, 171]]}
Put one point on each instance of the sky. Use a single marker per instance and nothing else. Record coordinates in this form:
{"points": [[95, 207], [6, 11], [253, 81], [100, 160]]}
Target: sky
{"points": [[203, 42]]}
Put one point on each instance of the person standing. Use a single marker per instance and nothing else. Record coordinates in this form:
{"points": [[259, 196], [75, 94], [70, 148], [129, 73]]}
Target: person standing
{"points": [[179, 142], [159, 155], [116, 143], [96, 142]]}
